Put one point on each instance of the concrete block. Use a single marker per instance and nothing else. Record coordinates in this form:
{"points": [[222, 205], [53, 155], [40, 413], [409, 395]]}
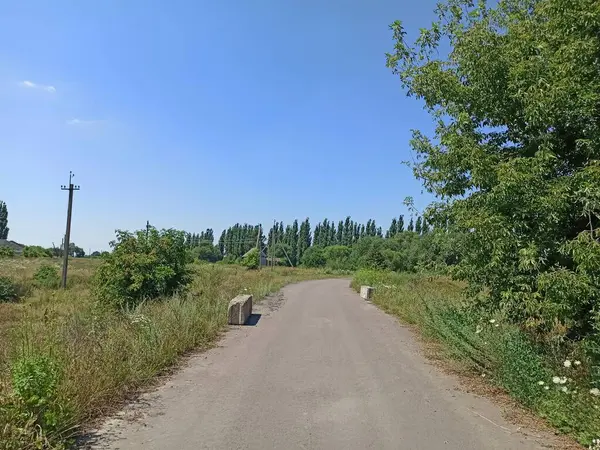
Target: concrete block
{"points": [[240, 308], [366, 292]]}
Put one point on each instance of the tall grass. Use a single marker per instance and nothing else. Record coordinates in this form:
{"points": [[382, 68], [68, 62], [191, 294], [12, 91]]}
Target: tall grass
{"points": [[87, 358], [505, 354]]}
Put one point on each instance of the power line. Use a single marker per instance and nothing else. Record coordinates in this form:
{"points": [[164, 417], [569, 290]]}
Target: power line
{"points": [[71, 188]]}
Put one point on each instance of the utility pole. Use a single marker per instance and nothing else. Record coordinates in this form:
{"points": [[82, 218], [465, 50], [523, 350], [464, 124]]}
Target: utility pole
{"points": [[274, 243], [71, 188], [258, 245]]}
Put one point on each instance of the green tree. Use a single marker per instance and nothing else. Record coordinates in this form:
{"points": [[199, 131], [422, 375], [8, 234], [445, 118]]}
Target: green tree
{"points": [[251, 259], [3, 221], [393, 230], [313, 257], [304, 239], [411, 225], [317, 238], [339, 237], [206, 252], [425, 226], [294, 243], [419, 225], [338, 256], [400, 227], [142, 267], [222, 242], [75, 251], [515, 150], [332, 234], [347, 233]]}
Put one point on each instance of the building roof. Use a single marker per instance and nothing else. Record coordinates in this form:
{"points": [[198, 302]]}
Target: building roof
{"points": [[12, 244]]}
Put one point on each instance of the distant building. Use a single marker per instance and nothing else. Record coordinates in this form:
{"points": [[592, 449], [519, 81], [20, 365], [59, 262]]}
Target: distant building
{"points": [[16, 247]]}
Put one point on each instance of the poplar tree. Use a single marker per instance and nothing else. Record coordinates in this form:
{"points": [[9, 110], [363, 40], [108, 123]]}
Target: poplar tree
{"points": [[3, 221], [393, 230], [400, 226]]}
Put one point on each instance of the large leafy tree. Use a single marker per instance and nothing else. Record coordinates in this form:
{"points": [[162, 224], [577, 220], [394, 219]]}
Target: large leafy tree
{"points": [[514, 155], [3, 221]]}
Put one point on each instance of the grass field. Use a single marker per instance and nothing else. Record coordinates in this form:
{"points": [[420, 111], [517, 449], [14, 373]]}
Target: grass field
{"points": [[88, 358], [480, 346]]}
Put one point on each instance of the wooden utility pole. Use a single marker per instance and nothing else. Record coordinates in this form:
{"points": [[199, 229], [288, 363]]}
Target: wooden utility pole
{"points": [[71, 188], [258, 246], [273, 244]]}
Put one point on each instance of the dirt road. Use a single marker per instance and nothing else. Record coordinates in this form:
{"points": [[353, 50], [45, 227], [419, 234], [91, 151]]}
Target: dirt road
{"points": [[321, 369]]}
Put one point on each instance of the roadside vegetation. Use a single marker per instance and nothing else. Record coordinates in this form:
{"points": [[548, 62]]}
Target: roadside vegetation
{"points": [[513, 89], [69, 356], [554, 381]]}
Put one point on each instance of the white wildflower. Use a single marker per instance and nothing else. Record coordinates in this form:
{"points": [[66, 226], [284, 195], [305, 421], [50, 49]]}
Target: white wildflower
{"points": [[567, 363], [546, 387], [497, 325], [483, 375], [564, 389], [556, 380], [478, 329], [492, 320], [595, 392], [563, 380], [577, 363], [541, 383]]}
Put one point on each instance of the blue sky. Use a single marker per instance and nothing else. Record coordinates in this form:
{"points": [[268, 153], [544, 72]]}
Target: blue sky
{"points": [[198, 114]]}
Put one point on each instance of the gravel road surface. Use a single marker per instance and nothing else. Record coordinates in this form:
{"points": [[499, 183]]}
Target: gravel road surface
{"points": [[321, 369]]}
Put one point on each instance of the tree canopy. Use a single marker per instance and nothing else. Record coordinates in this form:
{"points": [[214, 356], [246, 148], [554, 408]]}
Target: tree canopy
{"points": [[514, 155]]}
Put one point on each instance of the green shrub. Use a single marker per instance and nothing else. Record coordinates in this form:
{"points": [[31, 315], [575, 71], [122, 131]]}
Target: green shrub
{"points": [[313, 257], [8, 290], [35, 381], [6, 252], [143, 266], [251, 260], [206, 252], [47, 276], [35, 251]]}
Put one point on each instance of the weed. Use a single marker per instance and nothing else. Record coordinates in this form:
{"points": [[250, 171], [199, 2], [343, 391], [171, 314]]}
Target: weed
{"points": [[47, 277], [540, 378], [8, 290]]}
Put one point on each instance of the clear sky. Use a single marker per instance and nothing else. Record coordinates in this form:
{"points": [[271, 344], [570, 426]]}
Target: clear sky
{"points": [[197, 114]]}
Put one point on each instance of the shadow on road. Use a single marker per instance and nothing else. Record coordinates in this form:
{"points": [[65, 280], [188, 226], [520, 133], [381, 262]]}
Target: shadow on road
{"points": [[253, 319]]}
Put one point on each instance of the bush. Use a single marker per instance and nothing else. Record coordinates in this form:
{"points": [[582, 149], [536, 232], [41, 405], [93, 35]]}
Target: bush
{"points": [[47, 276], [35, 251], [251, 260], [313, 257], [206, 252], [8, 290], [143, 266], [35, 381], [6, 252], [338, 257]]}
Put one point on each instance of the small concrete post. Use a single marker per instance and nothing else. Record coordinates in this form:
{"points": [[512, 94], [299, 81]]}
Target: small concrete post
{"points": [[240, 308], [366, 292]]}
